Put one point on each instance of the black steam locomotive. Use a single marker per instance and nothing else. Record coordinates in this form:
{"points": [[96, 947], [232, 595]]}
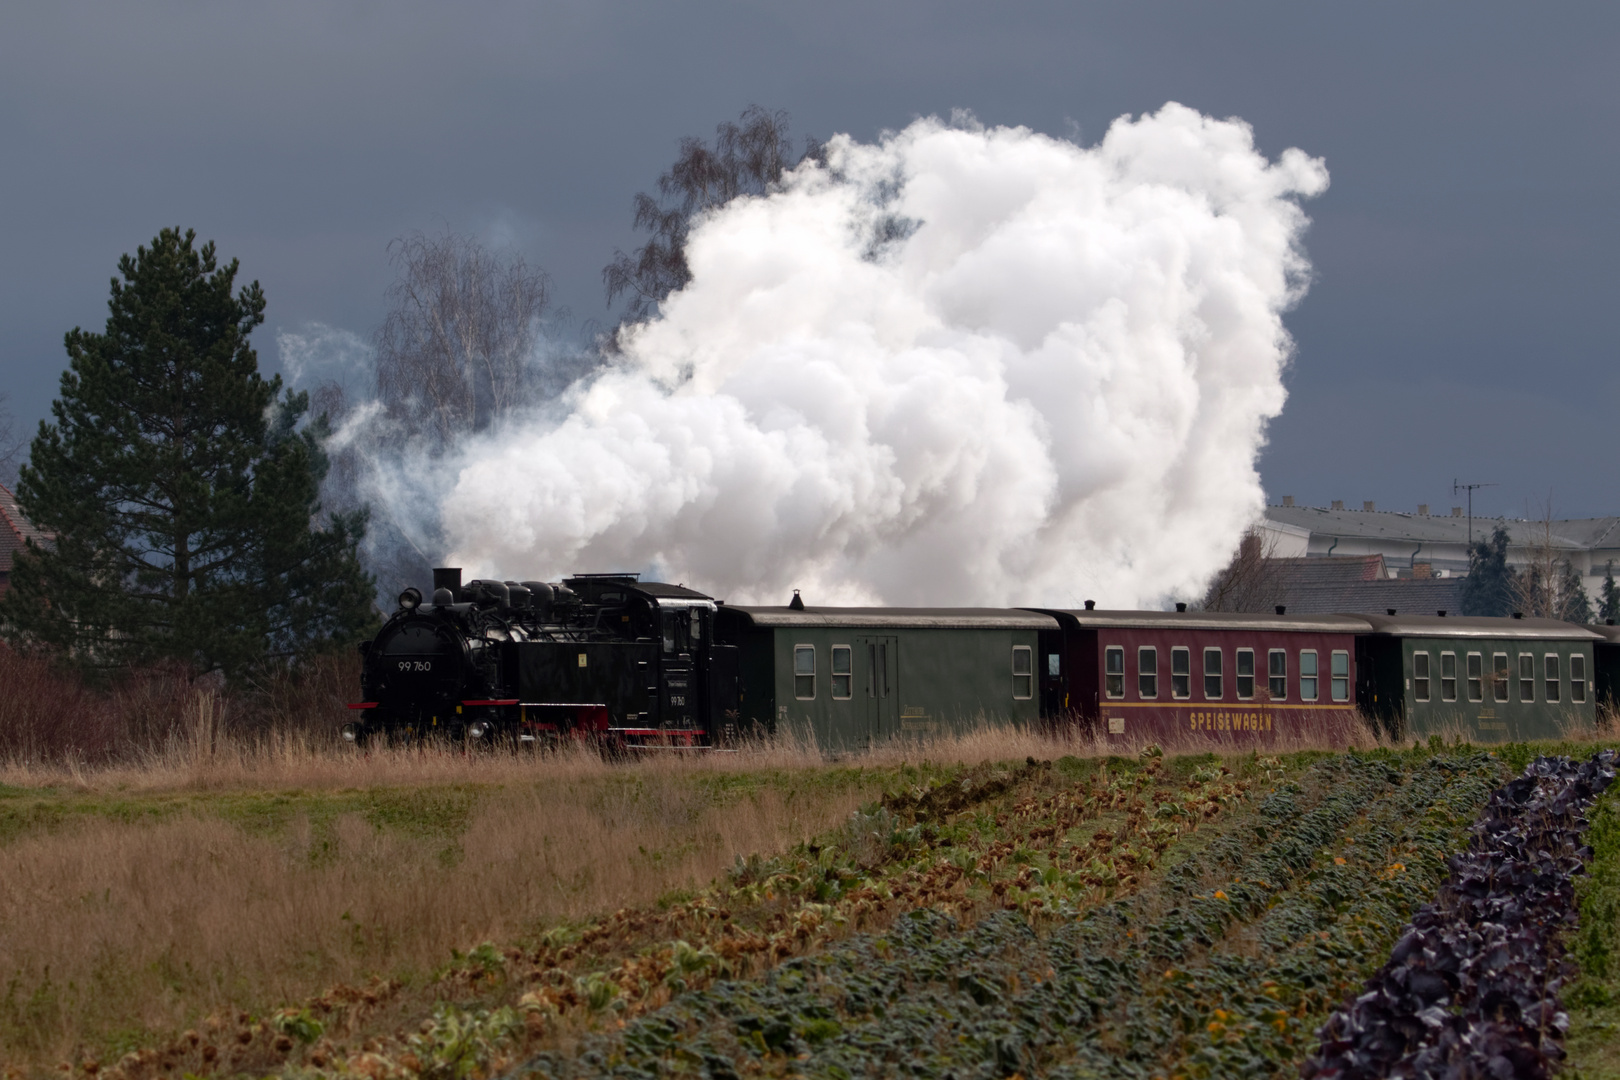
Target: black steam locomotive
{"points": [[603, 656]]}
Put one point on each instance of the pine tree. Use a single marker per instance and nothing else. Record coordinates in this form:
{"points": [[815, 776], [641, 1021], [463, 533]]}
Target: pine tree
{"points": [[1488, 589], [1609, 598], [181, 489], [1574, 605]]}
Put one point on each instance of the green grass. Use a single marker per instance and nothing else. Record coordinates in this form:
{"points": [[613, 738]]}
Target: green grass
{"points": [[1593, 1001]]}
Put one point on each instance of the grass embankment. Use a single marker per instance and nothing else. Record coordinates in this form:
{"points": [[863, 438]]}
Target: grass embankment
{"points": [[1593, 1000]]}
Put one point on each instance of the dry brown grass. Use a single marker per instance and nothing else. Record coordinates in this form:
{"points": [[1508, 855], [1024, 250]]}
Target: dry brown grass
{"points": [[152, 916]]}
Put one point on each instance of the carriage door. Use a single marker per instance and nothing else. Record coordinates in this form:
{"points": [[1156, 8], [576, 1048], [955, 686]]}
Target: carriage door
{"points": [[880, 657]]}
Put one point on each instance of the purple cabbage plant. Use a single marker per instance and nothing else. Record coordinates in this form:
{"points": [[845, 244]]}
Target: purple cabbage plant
{"points": [[1471, 989]]}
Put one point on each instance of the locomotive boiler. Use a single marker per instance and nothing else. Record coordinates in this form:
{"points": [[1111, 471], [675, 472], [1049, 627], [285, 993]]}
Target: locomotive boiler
{"points": [[608, 657]]}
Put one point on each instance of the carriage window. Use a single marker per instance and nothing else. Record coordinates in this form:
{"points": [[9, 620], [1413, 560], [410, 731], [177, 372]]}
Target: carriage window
{"points": [[1023, 672], [1448, 676], [1476, 677], [1114, 672], [697, 624], [1420, 676], [842, 673], [1053, 665], [1245, 673], [1180, 673], [804, 672], [1499, 676], [1341, 674], [1552, 676], [1147, 671], [1307, 674], [1212, 674], [1277, 667], [668, 622], [1577, 677], [1527, 677]]}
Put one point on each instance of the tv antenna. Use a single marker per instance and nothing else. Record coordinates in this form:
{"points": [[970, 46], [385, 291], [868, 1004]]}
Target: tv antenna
{"points": [[1457, 488]]}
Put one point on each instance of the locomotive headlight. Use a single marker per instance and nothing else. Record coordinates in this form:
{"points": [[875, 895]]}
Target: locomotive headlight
{"points": [[478, 729], [351, 733], [410, 599]]}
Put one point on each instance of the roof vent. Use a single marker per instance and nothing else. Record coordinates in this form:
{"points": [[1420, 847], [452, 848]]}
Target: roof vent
{"points": [[1368, 506], [1180, 606], [1456, 511], [1288, 500], [1423, 509], [1518, 614], [1389, 611], [1338, 504], [797, 603], [1441, 613], [1091, 605], [1282, 609]]}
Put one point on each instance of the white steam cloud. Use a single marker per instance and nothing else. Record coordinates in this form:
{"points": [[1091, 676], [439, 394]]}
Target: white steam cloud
{"points": [[960, 366]]}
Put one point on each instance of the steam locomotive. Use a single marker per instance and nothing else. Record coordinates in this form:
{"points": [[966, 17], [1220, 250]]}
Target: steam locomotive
{"points": [[630, 663], [605, 656]]}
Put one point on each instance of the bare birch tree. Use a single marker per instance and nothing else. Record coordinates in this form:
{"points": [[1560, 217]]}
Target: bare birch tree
{"points": [[457, 351], [1251, 581], [12, 445], [1547, 585]]}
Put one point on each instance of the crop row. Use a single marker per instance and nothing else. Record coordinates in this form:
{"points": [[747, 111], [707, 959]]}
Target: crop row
{"points": [[1220, 964], [1471, 989]]}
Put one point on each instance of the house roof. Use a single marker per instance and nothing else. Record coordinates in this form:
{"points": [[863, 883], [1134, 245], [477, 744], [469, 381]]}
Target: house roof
{"points": [[1359, 583], [15, 529], [1567, 534]]}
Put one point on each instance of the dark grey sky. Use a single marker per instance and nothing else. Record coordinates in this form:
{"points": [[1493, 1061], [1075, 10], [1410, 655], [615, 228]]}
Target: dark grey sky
{"points": [[1467, 255]]}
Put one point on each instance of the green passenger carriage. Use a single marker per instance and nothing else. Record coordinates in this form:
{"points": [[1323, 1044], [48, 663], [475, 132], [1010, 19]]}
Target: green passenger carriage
{"points": [[852, 677], [1486, 679]]}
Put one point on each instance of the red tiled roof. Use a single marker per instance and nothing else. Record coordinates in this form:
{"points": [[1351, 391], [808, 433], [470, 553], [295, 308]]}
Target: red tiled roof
{"points": [[15, 530]]}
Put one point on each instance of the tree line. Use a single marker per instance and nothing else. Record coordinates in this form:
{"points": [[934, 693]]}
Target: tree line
{"points": [[197, 515]]}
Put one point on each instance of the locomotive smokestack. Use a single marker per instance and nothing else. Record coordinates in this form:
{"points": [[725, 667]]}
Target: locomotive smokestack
{"points": [[447, 577]]}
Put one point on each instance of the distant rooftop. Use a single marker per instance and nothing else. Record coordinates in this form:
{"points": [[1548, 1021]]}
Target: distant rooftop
{"points": [[1567, 533], [1320, 586]]}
